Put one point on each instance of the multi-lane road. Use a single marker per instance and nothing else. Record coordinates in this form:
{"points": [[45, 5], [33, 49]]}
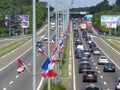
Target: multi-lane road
{"points": [[9, 79], [106, 80]]}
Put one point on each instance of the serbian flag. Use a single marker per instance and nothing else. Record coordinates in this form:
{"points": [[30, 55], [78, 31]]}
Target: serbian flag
{"points": [[52, 42], [41, 51], [62, 45], [21, 66]]}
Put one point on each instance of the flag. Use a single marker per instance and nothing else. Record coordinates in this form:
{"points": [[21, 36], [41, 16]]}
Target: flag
{"points": [[64, 38], [52, 42], [21, 66], [51, 73], [41, 51], [62, 45], [45, 64]]}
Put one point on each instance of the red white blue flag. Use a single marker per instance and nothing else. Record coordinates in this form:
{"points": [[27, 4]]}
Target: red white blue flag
{"points": [[41, 51], [62, 45], [21, 66], [52, 42]]}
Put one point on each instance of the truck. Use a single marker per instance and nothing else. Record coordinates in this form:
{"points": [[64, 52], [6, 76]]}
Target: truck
{"points": [[89, 26]]}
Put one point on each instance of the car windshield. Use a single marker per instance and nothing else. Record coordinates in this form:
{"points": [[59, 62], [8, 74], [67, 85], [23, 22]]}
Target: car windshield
{"points": [[84, 64], [92, 88], [103, 57]]}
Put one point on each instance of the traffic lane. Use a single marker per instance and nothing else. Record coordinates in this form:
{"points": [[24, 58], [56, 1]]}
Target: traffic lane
{"points": [[24, 81], [108, 51]]}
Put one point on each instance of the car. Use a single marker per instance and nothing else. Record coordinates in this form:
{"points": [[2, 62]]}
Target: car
{"points": [[102, 60], [89, 41], [84, 59], [39, 44], [96, 51], [78, 53], [45, 37], [110, 67], [92, 87], [89, 75], [78, 42], [84, 65], [86, 52], [117, 84], [92, 45]]}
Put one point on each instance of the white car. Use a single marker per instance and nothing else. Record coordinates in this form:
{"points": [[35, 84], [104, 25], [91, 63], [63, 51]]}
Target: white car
{"points": [[103, 60], [96, 51]]}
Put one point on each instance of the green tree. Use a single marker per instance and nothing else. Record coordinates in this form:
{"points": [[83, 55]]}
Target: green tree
{"points": [[117, 2]]}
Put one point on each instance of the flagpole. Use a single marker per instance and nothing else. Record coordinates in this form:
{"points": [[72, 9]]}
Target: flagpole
{"points": [[34, 45], [48, 39]]}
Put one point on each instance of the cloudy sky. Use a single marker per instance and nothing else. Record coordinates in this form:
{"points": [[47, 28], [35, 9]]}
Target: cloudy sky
{"points": [[78, 3]]}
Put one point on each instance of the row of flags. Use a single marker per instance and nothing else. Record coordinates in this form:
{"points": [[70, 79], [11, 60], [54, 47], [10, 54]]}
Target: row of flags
{"points": [[47, 66]]}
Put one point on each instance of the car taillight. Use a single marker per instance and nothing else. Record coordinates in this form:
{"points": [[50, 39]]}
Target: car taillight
{"points": [[80, 67], [89, 67], [85, 74], [117, 83], [94, 75]]}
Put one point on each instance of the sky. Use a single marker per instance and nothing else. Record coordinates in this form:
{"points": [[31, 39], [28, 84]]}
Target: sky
{"points": [[77, 3]]}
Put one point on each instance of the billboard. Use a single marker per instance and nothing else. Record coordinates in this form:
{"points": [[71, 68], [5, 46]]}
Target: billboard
{"points": [[24, 21], [110, 19], [111, 25], [89, 17]]}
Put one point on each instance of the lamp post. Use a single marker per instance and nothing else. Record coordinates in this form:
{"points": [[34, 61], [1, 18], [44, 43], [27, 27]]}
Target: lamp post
{"points": [[34, 46]]}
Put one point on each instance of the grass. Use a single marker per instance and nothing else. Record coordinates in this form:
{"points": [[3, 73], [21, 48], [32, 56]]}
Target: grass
{"points": [[10, 46], [114, 43], [65, 58]]}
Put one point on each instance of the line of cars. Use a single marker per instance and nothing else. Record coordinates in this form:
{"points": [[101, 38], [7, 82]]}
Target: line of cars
{"points": [[85, 66]]}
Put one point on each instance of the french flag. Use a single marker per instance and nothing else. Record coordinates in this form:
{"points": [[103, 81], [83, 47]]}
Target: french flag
{"points": [[41, 51], [52, 42], [48, 69], [62, 45], [21, 66]]}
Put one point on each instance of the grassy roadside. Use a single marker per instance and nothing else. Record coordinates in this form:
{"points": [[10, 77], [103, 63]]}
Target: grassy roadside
{"points": [[10, 46], [114, 43], [65, 58]]}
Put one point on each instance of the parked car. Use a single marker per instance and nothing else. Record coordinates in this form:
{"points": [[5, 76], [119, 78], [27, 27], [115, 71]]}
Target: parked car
{"points": [[102, 60], [117, 84], [96, 51], [92, 87], [89, 75], [39, 44], [84, 65], [110, 67]]}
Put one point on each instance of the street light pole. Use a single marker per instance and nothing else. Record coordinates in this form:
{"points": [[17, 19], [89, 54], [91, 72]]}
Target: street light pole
{"points": [[48, 39], [34, 46]]}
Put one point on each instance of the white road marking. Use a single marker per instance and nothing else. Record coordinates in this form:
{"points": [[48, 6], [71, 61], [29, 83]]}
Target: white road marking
{"points": [[105, 83], [101, 76], [96, 67], [11, 82], [98, 71], [29, 64], [94, 63], [108, 89], [5, 88], [17, 76], [92, 60]]}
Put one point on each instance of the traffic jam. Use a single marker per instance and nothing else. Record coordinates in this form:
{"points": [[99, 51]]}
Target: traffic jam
{"points": [[88, 57]]}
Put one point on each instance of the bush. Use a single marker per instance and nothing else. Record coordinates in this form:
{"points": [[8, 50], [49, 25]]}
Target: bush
{"points": [[57, 86]]}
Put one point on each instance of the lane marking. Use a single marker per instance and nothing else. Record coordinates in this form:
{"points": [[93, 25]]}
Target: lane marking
{"points": [[101, 76], [11, 82], [17, 76], [105, 83], [5, 88], [29, 64], [105, 53], [98, 71], [94, 63], [96, 67]]}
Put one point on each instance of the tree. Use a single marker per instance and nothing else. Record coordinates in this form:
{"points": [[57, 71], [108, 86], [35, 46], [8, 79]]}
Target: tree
{"points": [[117, 3]]}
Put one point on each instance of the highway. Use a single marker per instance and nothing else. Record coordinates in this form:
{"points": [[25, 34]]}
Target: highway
{"points": [[106, 80], [9, 79]]}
